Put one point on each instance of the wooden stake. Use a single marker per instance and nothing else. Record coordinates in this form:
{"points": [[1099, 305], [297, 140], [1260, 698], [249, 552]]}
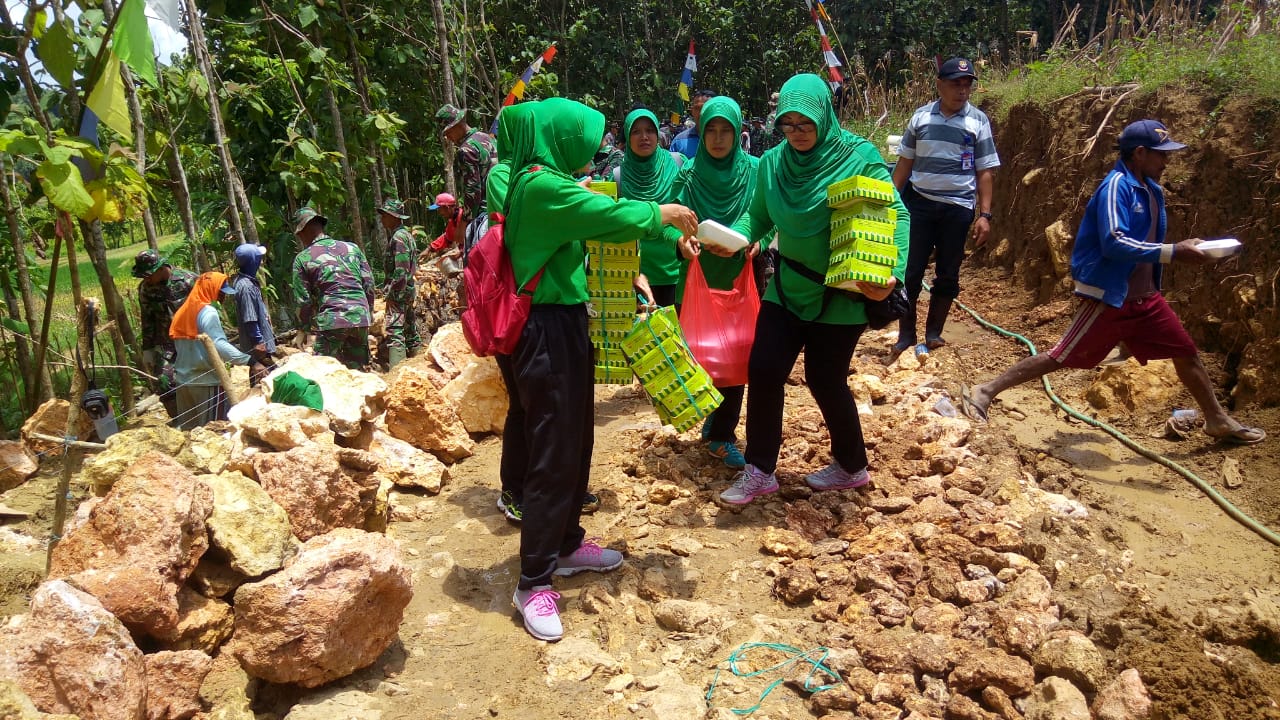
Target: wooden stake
{"points": [[219, 368], [71, 457]]}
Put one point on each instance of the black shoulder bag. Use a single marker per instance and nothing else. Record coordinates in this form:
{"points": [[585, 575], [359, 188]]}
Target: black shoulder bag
{"points": [[880, 313]]}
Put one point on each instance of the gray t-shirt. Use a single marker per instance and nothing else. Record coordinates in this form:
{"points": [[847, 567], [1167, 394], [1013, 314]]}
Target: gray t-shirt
{"points": [[251, 308]]}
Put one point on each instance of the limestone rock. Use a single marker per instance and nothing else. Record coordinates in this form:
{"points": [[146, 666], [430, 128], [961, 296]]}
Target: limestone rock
{"points": [[1056, 699], [285, 427], [479, 396], [318, 493], [173, 683], [690, 616], [70, 655], [1059, 239], [17, 464], [1258, 378], [795, 585], [1130, 386], [250, 528], [406, 465], [15, 705], [351, 397], [664, 493], [1074, 657], [990, 666], [207, 451], [332, 610], [51, 419], [335, 703], [575, 659], [1124, 699], [417, 413], [123, 448], [214, 577], [228, 690], [785, 543], [670, 696], [450, 350], [203, 623], [140, 543]]}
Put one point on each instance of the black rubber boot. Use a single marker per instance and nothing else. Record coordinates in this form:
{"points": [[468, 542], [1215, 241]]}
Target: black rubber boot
{"points": [[906, 331], [936, 320]]}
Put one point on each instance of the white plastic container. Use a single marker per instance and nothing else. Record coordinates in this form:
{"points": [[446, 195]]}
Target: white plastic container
{"points": [[893, 143], [713, 233], [1220, 248]]}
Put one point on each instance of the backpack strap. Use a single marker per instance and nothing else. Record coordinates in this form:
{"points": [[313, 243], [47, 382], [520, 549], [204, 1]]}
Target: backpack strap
{"points": [[527, 174], [803, 271]]}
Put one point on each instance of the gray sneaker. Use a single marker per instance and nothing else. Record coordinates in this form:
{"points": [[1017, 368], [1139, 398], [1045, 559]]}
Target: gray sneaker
{"points": [[834, 477], [749, 484], [538, 608], [588, 557]]}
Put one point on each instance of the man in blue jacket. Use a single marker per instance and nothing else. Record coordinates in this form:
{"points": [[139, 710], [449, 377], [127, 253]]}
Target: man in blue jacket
{"points": [[1116, 263]]}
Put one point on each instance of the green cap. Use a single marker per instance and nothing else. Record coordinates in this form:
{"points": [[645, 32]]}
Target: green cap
{"points": [[449, 116], [394, 208], [306, 215], [146, 263]]}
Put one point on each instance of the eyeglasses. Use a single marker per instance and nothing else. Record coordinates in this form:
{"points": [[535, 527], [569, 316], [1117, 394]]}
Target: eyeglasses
{"points": [[804, 128]]}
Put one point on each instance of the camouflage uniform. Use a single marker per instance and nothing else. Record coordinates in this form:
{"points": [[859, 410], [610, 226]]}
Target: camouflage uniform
{"points": [[476, 155], [606, 161], [401, 292], [157, 303], [334, 288]]}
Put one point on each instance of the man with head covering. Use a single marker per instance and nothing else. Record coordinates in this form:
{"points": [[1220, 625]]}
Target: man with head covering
{"points": [[200, 396], [475, 156], [401, 291], [455, 220], [945, 172], [161, 292], [686, 143], [334, 289], [1117, 264], [256, 338]]}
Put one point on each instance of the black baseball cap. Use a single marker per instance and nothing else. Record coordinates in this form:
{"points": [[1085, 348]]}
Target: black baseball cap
{"points": [[1150, 134], [956, 67]]}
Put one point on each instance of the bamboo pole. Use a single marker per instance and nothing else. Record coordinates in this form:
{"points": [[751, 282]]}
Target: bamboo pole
{"points": [[71, 457], [219, 368]]}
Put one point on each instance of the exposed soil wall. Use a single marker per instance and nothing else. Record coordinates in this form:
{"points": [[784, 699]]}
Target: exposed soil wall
{"points": [[1227, 183]]}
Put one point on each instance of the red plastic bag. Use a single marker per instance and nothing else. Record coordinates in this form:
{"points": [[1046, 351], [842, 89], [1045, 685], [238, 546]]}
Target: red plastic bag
{"points": [[720, 325]]}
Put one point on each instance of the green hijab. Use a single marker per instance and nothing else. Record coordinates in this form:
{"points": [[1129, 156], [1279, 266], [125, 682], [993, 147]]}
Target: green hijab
{"points": [[719, 190], [645, 178], [515, 131], [799, 208], [565, 139]]}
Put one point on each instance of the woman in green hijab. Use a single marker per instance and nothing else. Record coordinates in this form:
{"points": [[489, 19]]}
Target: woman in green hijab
{"points": [[551, 216], [515, 129], [719, 185], [647, 173], [799, 312]]}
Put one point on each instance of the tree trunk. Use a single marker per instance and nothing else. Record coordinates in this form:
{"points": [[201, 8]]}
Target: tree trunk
{"points": [[446, 68], [139, 151], [244, 225], [122, 337], [43, 388], [22, 348], [178, 185], [380, 175], [348, 174]]}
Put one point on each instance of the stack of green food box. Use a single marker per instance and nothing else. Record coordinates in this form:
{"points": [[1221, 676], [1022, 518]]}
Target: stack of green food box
{"points": [[862, 228], [681, 391], [611, 269]]}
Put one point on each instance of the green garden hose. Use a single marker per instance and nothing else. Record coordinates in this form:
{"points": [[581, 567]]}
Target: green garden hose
{"points": [[1204, 487]]}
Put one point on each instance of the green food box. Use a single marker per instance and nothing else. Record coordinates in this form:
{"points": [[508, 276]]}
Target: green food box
{"points": [[605, 187], [862, 229], [859, 187], [689, 417], [649, 330], [613, 375], [868, 250], [862, 210], [658, 359], [844, 273]]}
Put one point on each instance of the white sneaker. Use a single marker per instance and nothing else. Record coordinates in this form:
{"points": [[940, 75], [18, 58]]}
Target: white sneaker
{"points": [[588, 556], [834, 477], [749, 484], [538, 608]]}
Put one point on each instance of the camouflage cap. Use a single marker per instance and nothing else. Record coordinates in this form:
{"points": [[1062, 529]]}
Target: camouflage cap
{"points": [[146, 263], [306, 215], [394, 208], [448, 116]]}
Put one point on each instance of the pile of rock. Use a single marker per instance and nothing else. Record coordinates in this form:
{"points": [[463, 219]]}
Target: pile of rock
{"points": [[243, 552]]}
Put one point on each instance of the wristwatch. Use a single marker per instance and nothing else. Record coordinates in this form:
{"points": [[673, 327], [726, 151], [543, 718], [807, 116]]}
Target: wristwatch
{"points": [[986, 215]]}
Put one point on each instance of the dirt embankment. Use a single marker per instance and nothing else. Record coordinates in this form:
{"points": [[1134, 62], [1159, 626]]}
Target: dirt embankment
{"points": [[1226, 183]]}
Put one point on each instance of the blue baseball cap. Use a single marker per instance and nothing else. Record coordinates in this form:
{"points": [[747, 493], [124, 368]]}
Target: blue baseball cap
{"points": [[1151, 134]]}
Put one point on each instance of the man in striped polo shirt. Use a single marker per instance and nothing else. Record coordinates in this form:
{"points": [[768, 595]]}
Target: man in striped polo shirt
{"points": [[948, 156]]}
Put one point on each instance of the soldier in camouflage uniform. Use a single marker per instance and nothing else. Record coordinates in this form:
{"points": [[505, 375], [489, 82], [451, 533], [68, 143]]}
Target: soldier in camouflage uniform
{"points": [[334, 288], [607, 159], [476, 155], [401, 264], [162, 291]]}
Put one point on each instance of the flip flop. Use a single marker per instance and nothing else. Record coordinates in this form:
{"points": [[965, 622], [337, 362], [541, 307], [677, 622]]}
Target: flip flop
{"points": [[1242, 436], [967, 406]]}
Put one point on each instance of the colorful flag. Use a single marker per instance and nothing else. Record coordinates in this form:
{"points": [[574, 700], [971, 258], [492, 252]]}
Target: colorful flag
{"points": [[517, 92], [828, 56], [166, 11], [132, 41], [107, 99], [686, 77]]}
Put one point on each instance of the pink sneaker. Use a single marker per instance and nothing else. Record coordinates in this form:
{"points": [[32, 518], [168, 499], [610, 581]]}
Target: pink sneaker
{"points": [[538, 608], [588, 557], [834, 477]]}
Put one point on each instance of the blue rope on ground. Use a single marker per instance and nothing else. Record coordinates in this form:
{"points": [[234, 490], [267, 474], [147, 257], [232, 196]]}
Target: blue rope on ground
{"points": [[795, 655]]}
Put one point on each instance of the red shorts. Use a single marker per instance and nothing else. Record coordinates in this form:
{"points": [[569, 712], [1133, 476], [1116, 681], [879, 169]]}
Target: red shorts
{"points": [[1149, 327]]}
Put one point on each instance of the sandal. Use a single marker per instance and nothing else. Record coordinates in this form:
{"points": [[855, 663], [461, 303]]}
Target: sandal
{"points": [[1242, 436], [969, 408]]}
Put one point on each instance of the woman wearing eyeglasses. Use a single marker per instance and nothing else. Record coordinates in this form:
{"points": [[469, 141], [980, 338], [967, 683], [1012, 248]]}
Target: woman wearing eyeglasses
{"points": [[799, 312]]}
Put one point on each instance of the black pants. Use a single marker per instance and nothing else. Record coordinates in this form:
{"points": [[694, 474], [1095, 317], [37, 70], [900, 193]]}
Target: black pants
{"points": [[515, 453], [551, 374], [941, 227], [724, 421], [664, 295], [828, 349]]}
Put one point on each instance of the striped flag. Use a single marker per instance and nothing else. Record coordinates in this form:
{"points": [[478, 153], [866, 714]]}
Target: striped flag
{"points": [[686, 77], [817, 12], [517, 91]]}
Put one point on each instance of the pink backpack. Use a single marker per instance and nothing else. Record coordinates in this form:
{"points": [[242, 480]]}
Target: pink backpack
{"points": [[496, 309]]}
